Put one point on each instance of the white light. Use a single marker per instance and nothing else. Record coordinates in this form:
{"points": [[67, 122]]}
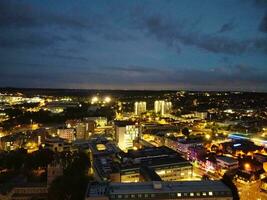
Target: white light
{"points": [[94, 99], [107, 99]]}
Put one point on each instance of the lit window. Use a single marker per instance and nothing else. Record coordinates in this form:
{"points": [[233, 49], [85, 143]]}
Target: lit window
{"points": [[210, 193], [146, 195], [152, 195], [198, 194], [179, 194], [204, 193], [191, 194], [132, 196], [139, 195], [119, 196]]}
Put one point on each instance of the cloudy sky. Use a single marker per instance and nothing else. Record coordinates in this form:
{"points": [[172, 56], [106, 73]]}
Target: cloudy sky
{"points": [[134, 44]]}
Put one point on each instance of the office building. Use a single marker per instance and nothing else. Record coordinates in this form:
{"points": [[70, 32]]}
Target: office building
{"points": [[125, 133]]}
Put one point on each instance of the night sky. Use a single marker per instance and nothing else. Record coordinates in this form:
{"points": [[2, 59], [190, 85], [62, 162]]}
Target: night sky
{"points": [[146, 44]]}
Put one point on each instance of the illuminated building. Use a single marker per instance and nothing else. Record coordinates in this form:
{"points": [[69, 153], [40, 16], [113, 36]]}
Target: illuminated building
{"points": [[66, 133], [57, 144], [210, 190], [101, 152], [162, 107], [196, 152], [181, 145], [162, 162], [139, 107], [125, 133], [84, 128], [100, 121], [81, 131], [226, 163]]}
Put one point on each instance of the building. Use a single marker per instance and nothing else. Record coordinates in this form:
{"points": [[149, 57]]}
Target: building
{"points": [[162, 107], [81, 131], [210, 190], [100, 121], [54, 170], [182, 145], [28, 192], [125, 133], [66, 133], [57, 144], [226, 163], [139, 107], [196, 153], [160, 162]]}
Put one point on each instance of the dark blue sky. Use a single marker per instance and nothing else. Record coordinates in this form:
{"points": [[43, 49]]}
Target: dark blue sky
{"points": [[146, 44]]}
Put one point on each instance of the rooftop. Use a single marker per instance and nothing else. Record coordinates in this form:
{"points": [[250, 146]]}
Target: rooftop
{"points": [[211, 188]]}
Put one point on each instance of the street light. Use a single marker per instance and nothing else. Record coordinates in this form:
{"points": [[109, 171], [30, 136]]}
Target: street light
{"points": [[107, 99], [94, 99], [207, 137], [247, 166]]}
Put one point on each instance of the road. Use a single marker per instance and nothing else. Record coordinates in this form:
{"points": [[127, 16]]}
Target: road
{"points": [[250, 191]]}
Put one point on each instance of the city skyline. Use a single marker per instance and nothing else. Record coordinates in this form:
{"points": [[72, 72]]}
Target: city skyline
{"points": [[159, 45]]}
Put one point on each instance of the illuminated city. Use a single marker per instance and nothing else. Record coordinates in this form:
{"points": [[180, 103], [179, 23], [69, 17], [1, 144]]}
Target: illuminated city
{"points": [[139, 100]]}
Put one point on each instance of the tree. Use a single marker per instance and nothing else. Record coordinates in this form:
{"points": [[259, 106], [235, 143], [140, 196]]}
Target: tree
{"points": [[228, 181], [73, 183], [185, 132]]}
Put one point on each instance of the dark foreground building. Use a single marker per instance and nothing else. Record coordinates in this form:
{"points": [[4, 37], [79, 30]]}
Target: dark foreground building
{"points": [[183, 190]]}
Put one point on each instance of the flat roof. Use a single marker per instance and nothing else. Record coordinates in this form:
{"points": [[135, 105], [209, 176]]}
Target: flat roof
{"points": [[168, 187], [227, 159], [213, 188]]}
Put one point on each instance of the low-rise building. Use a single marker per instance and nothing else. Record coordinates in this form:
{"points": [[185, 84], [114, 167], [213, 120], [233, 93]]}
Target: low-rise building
{"points": [[57, 144], [210, 190], [227, 163], [66, 133]]}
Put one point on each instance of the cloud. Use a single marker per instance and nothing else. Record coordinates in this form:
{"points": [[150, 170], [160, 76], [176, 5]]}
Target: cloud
{"points": [[229, 77], [174, 33], [26, 40], [263, 24], [20, 15], [227, 27]]}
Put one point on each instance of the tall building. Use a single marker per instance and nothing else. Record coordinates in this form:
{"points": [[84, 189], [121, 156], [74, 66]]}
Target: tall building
{"points": [[81, 131], [139, 107], [162, 107], [125, 133]]}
